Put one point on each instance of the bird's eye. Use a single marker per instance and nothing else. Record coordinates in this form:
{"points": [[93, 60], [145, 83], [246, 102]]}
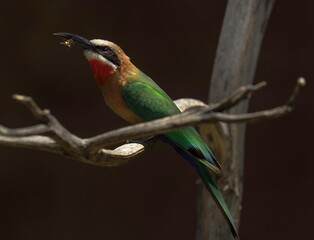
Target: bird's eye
{"points": [[104, 48], [109, 54]]}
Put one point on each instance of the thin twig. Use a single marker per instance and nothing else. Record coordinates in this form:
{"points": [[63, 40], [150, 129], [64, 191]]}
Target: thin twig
{"points": [[39, 129], [39, 114], [31, 142], [300, 83], [237, 96]]}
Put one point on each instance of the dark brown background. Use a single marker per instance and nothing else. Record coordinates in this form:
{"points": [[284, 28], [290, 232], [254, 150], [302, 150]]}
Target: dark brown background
{"points": [[45, 196]]}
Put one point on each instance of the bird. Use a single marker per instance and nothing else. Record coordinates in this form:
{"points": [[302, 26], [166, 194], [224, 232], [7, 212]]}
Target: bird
{"points": [[135, 97]]}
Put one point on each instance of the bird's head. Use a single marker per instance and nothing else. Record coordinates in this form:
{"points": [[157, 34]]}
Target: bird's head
{"points": [[106, 58]]}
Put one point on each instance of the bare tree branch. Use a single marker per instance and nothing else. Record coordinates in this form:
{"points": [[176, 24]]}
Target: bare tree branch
{"points": [[50, 135]]}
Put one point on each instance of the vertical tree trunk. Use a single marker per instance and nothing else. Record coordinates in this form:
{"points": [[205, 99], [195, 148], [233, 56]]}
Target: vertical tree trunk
{"points": [[240, 39]]}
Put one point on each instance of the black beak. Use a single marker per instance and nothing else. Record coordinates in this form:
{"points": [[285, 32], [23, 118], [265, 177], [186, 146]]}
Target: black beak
{"points": [[85, 43]]}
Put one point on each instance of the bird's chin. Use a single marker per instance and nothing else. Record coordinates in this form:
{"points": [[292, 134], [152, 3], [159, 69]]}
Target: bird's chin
{"points": [[101, 71]]}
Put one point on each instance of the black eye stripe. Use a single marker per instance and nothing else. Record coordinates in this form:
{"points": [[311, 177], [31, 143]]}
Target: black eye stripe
{"points": [[109, 54]]}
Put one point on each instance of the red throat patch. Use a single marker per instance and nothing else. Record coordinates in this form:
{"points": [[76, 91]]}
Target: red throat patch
{"points": [[101, 71]]}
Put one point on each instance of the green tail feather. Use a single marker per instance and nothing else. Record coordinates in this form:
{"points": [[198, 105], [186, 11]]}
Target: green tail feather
{"points": [[216, 194]]}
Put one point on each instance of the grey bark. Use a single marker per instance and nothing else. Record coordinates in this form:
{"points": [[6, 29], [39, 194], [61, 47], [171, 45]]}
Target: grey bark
{"points": [[239, 44]]}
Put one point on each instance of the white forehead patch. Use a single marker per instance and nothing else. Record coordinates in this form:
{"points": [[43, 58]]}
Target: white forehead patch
{"points": [[100, 42]]}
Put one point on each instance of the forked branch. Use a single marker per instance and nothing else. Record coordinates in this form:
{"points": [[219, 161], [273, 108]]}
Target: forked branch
{"points": [[50, 135]]}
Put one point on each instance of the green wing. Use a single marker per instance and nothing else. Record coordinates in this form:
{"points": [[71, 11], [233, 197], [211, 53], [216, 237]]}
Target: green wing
{"points": [[149, 102]]}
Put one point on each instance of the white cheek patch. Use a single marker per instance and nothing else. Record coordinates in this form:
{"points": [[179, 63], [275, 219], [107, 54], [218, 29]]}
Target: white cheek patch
{"points": [[90, 55]]}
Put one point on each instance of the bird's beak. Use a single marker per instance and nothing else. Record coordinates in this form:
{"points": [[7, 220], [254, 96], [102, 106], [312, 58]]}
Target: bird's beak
{"points": [[72, 38]]}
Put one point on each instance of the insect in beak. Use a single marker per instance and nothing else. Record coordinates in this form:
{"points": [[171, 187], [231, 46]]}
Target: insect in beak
{"points": [[68, 43]]}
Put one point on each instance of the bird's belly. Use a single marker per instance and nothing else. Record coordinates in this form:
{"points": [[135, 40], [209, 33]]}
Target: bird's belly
{"points": [[116, 103]]}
